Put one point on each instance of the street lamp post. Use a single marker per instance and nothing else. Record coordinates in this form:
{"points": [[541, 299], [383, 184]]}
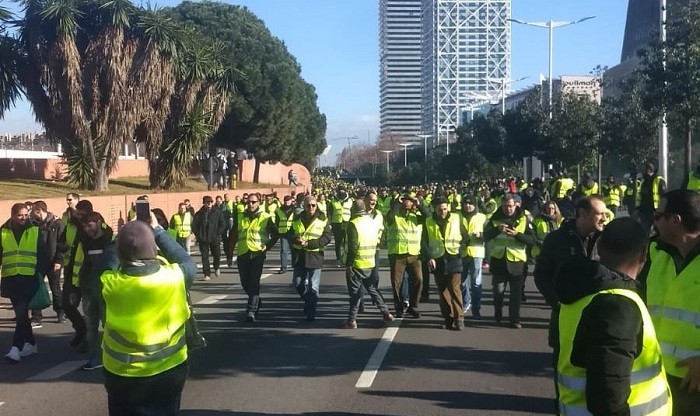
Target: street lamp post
{"points": [[405, 152], [425, 145], [551, 25], [663, 128], [387, 152], [503, 82]]}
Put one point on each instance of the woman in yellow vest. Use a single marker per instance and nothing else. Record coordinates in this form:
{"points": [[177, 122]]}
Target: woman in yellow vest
{"points": [[610, 361], [21, 254], [144, 351]]}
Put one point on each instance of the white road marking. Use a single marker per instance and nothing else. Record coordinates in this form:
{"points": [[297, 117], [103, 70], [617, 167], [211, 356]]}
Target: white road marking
{"points": [[1, 403], [265, 276], [211, 300], [375, 361], [57, 372]]}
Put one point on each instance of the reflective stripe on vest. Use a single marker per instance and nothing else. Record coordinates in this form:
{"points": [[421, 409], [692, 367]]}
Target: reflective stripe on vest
{"points": [[341, 211], [672, 300], [450, 242], [144, 322], [506, 246], [252, 232], [19, 259], [649, 391], [366, 244], [183, 224], [404, 234], [284, 221], [313, 232], [473, 225], [654, 192]]}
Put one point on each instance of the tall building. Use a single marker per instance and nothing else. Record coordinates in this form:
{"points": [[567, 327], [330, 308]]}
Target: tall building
{"points": [[466, 56], [400, 68]]}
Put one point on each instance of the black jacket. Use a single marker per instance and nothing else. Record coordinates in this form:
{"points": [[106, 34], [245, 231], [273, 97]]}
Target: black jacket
{"points": [[558, 248], [208, 225], [93, 251], [310, 259], [609, 335], [49, 231]]}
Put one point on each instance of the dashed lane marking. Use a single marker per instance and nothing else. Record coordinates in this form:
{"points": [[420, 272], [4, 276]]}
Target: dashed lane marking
{"points": [[57, 372], [211, 300], [375, 361]]}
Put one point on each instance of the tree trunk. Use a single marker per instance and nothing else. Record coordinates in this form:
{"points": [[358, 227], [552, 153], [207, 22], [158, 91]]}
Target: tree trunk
{"points": [[688, 146], [256, 172], [154, 175], [101, 179]]}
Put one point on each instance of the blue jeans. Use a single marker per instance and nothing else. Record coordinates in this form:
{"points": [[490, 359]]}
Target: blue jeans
{"points": [[358, 281], [308, 284], [471, 283], [285, 251], [94, 309]]}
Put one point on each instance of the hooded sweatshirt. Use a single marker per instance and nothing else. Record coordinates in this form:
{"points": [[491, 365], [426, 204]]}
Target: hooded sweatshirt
{"points": [[609, 335]]}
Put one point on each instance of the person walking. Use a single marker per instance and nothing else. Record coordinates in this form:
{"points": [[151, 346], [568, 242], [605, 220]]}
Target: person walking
{"points": [[650, 192], [361, 247], [339, 213], [672, 287], [181, 222], [144, 349], [255, 235], [50, 230], [610, 362], [22, 257], [309, 234], [208, 226], [472, 256], [284, 216], [509, 232], [442, 238]]}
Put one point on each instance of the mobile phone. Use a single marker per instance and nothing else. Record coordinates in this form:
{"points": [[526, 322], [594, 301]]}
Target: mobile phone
{"points": [[143, 211]]}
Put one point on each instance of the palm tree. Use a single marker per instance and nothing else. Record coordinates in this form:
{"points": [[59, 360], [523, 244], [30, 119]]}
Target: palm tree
{"points": [[10, 63]]}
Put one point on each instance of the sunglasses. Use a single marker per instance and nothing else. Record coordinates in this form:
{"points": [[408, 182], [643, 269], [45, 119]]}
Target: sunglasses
{"points": [[252, 202], [69, 200], [310, 205]]}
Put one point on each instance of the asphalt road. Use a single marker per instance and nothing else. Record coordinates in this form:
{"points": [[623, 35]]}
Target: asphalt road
{"points": [[284, 365]]}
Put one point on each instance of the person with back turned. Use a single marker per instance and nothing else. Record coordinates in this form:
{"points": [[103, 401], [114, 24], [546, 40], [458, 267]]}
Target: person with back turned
{"points": [[144, 351]]}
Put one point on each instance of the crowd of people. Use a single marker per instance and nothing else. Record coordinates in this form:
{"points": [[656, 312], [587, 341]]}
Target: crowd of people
{"points": [[624, 307]]}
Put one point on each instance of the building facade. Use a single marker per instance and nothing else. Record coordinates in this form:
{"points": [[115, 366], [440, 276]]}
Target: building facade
{"points": [[400, 68], [466, 56]]}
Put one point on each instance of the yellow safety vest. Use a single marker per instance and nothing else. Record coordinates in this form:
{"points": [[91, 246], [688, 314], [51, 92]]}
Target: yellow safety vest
{"points": [[455, 201], [71, 233], [542, 228], [284, 221], [593, 190], [366, 244], [505, 245], [693, 182], [144, 328], [183, 224], [252, 232], [649, 391], [19, 259], [656, 197], [673, 303], [313, 232], [384, 204], [321, 206], [473, 225], [404, 234], [438, 244], [240, 207], [614, 196], [77, 265], [341, 211], [490, 207], [565, 184]]}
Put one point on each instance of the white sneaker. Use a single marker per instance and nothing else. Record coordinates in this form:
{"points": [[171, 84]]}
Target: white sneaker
{"points": [[205, 278], [13, 355], [28, 350], [217, 273]]}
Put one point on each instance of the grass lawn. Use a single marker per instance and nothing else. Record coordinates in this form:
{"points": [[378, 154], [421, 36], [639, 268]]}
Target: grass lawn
{"points": [[31, 189]]}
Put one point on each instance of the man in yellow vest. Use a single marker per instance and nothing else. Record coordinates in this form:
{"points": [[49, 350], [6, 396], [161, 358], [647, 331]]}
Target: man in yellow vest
{"points": [[339, 213], [361, 247], [509, 232], [610, 361], [144, 349], [181, 222], [309, 234], [588, 186], [672, 291], [404, 225], [255, 235], [692, 179], [650, 192], [284, 216], [442, 239], [472, 256], [21, 258], [613, 193]]}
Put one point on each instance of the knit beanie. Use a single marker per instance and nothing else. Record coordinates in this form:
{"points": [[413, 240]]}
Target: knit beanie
{"points": [[136, 241]]}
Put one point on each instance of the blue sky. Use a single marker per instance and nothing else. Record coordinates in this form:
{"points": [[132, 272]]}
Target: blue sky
{"points": [[336, 44]]}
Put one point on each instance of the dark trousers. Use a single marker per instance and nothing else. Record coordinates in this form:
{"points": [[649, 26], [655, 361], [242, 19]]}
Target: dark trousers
{"points": [[250, 266], [204, 249], [425, 293], [449, 288], [23, 327], [514, 295], [54, 277], [71, 308], [228, 246], [685, 403], [157, 395], [358, 281], [338, 237], [398, 263]]}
